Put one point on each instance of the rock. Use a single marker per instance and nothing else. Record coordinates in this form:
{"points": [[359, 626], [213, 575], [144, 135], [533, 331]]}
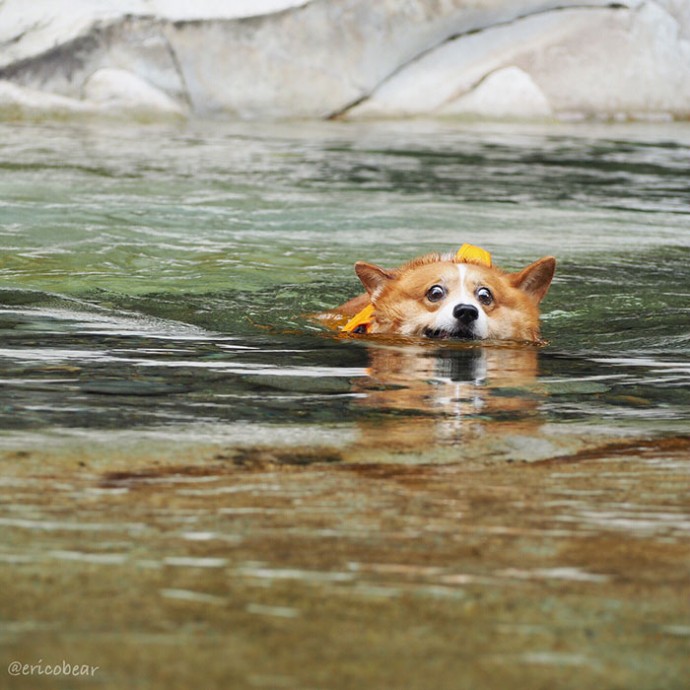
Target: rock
{"points": [[19, 101], [617, 63], [324, 58], [108, 92], [508, 92], [123, 91], [560, 56], [436, 79]]}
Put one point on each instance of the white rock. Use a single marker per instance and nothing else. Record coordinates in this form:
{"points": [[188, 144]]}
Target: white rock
{"points": [[311, 59], [317, 58], [29, 28], [22, 101], [508, 92], [439, 77], [213, 9], [109, 92], [585, 62], [122, 91], [634, 63], [680, 11]]}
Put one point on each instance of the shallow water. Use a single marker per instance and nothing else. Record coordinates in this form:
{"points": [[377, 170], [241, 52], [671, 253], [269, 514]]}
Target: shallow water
{"points": [[200, 485]]}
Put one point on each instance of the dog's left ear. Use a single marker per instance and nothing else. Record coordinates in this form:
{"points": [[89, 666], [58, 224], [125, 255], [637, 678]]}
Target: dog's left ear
{"points": [[536, 278]]}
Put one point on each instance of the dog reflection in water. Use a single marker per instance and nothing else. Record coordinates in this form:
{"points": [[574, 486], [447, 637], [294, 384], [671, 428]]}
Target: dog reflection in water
{"points": [[445, 395]]}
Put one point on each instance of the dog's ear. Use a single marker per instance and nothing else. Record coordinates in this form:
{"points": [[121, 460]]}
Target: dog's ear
{"points": [[536, 278], [374, 278]]}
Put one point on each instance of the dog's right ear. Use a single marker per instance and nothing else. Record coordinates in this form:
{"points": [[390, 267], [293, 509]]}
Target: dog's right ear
{"points": [[374, 278]]}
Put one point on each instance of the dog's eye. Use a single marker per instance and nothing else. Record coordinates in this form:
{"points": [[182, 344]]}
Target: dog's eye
{"points": [[436, 293], [484, 296]]}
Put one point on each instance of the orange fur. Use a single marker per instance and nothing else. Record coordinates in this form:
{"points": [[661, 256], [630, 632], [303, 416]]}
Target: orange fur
{"points": [[402, 305]]}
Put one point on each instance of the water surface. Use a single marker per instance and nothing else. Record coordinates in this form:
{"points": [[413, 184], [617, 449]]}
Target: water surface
{"points": [[292, 509]]}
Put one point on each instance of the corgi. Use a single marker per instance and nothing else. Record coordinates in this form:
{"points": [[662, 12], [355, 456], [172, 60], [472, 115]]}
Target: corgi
{"points": [[461, 296]]}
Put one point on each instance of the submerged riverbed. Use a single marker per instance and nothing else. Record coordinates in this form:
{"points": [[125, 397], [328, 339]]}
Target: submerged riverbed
{"points": [[201, 486]]}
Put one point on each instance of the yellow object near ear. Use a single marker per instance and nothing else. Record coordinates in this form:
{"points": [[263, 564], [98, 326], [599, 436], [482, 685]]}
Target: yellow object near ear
{"points": [[469, 254], [361, 321]]}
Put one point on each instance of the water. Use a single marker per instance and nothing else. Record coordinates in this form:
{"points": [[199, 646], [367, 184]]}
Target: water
{"points": [[288, 508]]}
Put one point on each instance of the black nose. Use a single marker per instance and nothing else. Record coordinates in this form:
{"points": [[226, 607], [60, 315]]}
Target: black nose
{"points": [[466, 313]]}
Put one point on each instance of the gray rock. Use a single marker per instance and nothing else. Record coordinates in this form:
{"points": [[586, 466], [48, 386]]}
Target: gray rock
{"points": [[322, 58]]}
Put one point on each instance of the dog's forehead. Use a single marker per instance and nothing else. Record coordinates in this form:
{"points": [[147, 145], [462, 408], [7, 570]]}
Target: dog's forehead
{"points": [[449, 273], [477, 274], [445, 272]]}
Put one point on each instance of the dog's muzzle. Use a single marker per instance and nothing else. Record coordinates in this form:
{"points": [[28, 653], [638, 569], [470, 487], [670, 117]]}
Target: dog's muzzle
{"points": [[465, 316]]}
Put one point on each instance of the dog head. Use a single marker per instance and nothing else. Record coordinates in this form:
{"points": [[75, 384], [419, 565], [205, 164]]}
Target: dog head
{"points": [[444, 297]]}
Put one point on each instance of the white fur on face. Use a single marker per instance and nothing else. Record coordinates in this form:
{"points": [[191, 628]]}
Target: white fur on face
{"points": [[462, 294]]}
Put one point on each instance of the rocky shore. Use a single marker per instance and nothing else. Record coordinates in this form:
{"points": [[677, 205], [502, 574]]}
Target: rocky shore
{"points": [[278, 59]]}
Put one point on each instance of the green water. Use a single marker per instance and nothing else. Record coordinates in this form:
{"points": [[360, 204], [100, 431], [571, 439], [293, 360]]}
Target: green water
{"points": [[179, 259], [172, 420]]}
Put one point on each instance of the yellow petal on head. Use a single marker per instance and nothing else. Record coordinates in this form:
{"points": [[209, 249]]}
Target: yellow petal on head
{"points": [[363, 317], [469, 254]]}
